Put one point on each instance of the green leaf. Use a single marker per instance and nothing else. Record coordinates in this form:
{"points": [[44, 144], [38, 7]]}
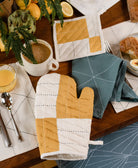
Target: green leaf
{"points": [[26, 48], [58, 10], [44, 11], [53, 15], [15, 43], [55, 7], [9, 42], [3, 30], [21, 46], [26, 2], [1, 9], [23, 30]]}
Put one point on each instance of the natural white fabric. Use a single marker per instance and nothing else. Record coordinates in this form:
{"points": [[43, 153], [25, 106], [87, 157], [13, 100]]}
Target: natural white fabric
{"points": [[23, 112], [88, 7]]}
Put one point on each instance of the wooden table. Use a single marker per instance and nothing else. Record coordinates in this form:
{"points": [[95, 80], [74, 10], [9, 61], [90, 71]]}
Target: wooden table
{"points": [[100, 127]]}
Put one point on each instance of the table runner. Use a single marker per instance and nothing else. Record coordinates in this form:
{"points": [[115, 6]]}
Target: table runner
{"points": [[22, 110]]}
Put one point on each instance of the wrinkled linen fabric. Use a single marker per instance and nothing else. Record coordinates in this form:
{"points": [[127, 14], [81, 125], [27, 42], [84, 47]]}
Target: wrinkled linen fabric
{"points": [[105, 73]]}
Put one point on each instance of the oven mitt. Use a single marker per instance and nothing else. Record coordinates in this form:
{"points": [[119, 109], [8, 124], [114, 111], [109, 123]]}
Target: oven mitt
{"points": [[63, 121]]}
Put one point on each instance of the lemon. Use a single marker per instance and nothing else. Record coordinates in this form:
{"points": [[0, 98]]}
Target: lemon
{"points": [[66, 9], [21, 4], [2, 46], [49, 10], [34, 10]]}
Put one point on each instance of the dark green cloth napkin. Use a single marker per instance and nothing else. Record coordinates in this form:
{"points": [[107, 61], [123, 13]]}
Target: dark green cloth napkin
{"points": [[105, 73]]}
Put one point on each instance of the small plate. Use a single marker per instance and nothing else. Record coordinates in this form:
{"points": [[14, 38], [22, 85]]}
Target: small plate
{"points": [[127, 58]]}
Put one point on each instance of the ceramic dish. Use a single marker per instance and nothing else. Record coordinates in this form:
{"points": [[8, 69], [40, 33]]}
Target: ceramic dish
{"points": [[127, 58], [134, 64], [7, 78]]}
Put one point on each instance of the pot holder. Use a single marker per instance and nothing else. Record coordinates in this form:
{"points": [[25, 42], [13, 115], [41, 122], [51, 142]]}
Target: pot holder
{"points": [[79, 37], [63, 121]]}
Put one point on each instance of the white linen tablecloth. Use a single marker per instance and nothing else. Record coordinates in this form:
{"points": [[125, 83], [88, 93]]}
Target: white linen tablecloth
{"points": [[88, 7], [23, 112]]}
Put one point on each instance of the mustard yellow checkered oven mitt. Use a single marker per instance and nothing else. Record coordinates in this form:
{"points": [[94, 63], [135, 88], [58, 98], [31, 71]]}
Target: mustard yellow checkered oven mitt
{"points": [[63, 121]]}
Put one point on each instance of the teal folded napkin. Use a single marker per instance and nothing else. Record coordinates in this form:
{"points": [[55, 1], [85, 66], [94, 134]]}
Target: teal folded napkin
{"points": [[105, 73]]}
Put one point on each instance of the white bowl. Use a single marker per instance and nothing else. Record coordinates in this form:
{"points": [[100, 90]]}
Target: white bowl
{"points": [[134, 64]]}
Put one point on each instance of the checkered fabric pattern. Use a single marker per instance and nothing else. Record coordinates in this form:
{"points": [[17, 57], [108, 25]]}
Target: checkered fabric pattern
{"points": [[63, 121], [79, 37]]}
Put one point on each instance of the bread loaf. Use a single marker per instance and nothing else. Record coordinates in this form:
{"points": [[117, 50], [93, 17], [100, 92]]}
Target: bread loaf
{"points": [[133, 10], [129, 46]]}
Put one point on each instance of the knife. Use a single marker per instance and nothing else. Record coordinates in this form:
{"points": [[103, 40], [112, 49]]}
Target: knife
{"points": [[4, 132]]}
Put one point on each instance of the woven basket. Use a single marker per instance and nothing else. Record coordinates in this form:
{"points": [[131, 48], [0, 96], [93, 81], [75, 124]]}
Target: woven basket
{"points": [[5, 8]]}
